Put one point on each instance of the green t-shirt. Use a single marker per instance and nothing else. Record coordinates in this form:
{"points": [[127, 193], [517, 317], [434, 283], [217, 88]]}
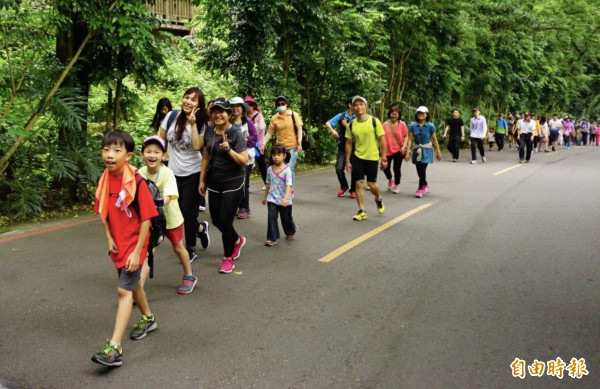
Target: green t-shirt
{"points": [[167, 185], [366, 144]]}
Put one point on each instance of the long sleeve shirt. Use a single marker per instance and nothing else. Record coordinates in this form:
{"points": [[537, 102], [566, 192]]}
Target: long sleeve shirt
{"points": [[478, 127]]}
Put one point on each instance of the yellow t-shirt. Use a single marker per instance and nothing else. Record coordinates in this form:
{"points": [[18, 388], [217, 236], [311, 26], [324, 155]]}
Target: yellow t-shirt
{"points": [[283, 127], [167, 184], [365, 139]]}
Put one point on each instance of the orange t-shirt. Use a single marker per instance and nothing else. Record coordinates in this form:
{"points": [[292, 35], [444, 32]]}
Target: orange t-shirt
{"points": [[283, 126]]}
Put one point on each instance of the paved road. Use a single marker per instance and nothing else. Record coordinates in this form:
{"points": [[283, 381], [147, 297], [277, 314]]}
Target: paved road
{"points": [[495, 267]]}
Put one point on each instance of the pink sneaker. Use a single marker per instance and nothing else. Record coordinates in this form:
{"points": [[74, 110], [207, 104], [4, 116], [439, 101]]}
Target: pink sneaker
{"points": [[237, 249], [390, 183], [395, 189], [419, 193], [426, 188], [227, 265], [353, 195]]}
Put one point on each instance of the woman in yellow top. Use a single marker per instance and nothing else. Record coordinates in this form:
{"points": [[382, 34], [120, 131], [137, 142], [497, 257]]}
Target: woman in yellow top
{"points": [[283, 124]]}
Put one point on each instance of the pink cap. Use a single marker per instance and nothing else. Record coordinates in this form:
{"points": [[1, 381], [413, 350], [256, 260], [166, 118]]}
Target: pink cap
{"points": [[155, 139]]}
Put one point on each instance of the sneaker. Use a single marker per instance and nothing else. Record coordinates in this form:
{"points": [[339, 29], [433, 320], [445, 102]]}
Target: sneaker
{"points": [[454, 159], [419, 193], [361, 215], [187, 286], [353, 195], [341, 192], [270, 242], [380, 206], [521, 161], [483, 159], [144, 325], [546, 151], [203, 235], [237, 249], [390, 183], [290, 237], [192, 253], [243, 214], [263, 188], [202, 208], [396, 189], [473, 162], [426, 188], [111, 355], [227, 265]]}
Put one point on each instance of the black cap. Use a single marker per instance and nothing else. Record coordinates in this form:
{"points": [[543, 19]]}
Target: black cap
{"points": [[281, 98], [222, 103]]}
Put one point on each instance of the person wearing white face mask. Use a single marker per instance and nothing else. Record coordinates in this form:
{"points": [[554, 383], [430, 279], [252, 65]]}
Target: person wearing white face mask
{"points": [[287, 134]]}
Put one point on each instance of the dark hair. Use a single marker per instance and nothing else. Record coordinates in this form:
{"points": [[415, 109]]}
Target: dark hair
{"points": [[426, 117], [201, 114], [158, 115], [278, 148], [455, 109], [395, 108], [349, 101], [119, 137], [542, 120]]}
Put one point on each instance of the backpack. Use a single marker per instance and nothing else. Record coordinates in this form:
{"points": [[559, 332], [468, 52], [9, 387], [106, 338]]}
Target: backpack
{"points": [[305, 142], [374, 123], [172, 116], [158, 224]]}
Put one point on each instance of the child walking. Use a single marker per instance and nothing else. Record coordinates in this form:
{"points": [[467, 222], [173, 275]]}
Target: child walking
{"points": [[127, 234], [278, 197], [153, 151]]}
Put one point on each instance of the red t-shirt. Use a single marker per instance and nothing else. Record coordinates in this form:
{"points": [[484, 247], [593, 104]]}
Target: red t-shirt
{"points": [[124, 229]]}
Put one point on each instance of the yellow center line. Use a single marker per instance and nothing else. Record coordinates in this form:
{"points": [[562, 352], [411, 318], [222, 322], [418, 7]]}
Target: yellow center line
{"points": [[508, 169], [350, 245], [550, 153]]}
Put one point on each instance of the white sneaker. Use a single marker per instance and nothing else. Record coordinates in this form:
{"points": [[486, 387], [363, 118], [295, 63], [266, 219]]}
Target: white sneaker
{"points": [[483, 159], [473, 162]]}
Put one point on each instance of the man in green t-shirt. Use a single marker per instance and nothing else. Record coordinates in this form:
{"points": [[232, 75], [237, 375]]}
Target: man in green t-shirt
{"points": [[365, 150]]}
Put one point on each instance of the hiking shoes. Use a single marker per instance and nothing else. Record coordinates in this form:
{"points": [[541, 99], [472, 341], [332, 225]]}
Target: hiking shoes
{"points": [[227, 265], [111, 355], [192, 253], [380, 206], [144, 325], [203, 235], [361, 215], [237, 249], [187, 285]]}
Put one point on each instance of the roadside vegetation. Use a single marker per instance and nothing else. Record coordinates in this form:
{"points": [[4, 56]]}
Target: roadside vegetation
{"points": [[71, 70]]}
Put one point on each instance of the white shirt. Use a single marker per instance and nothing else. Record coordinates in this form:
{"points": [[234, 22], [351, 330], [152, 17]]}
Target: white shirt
{"points": [[525, 127], [183, 159], [555, 125]]}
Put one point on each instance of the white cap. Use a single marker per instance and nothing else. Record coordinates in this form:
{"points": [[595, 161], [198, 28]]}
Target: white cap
{"points": [[359, 98], [423, 109]]}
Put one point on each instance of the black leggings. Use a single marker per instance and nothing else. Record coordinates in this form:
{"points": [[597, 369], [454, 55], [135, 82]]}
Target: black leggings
{"points": [[396, 159], [245, 201], [422, 173], [261, 162], [223, 200], [189, 201]]}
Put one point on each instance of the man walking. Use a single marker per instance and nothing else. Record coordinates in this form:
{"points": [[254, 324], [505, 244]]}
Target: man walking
{"points": [[501, 126], [478, 131], [457, 133]]}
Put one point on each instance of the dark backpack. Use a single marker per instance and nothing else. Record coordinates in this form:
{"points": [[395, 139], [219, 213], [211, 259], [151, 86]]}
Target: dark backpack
{"points": [[305, 142], [158, 224], [172, 116]]}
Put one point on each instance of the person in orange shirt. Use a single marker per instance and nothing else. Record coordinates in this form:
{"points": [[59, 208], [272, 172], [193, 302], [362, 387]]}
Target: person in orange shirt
{"points": [[282, 124]]}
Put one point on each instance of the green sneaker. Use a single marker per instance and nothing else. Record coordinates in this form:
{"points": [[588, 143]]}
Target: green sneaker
{"points": [[141, 329], [380, 206], [361, 215], [111, 355]]}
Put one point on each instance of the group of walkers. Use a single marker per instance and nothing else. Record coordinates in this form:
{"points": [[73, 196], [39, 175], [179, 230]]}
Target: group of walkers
{"points": [[206, 151]]}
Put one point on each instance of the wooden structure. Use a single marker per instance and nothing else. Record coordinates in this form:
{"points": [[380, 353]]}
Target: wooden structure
{"points": [[174, 14]]}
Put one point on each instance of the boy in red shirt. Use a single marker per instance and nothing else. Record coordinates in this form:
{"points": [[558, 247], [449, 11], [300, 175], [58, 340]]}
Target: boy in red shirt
{"points": [[126, 227]]}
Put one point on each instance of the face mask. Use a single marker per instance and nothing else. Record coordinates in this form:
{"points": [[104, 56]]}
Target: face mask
{"points": [[281, 108]]}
